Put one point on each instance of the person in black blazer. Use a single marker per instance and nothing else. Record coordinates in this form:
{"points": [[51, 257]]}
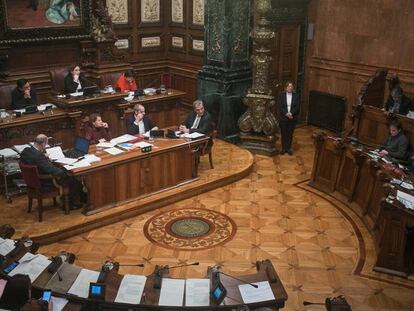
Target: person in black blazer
{"points": [[289, 108], [139, 122], [35, 155], [75, 81], [23, 95], [198, 120], [398, 102]]}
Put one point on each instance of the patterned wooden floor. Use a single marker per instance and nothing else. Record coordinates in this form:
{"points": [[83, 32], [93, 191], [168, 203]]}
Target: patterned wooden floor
{"points": [[314, 242]]}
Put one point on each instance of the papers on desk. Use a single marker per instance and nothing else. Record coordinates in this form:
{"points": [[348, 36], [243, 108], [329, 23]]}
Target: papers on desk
{"points": [[44, 106], [143, 144], [131, 289], [262, 293], [403, 184], [105, 144], [92, 158], [114, 150], [172, 292], [84, 161], [20, 148], [76, 94], [122, 139], [150, 91], [81, 285], [31, 265], [58, 303], [126, 146], [406, 199], [194, 135], [77, 164], [6, 246], [8, 153], [66, 161], [55, 153], [197, 292]]}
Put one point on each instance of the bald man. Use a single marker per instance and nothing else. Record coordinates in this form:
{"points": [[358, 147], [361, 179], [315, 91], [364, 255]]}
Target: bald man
{"points": [[35, 155], [139, 122]]}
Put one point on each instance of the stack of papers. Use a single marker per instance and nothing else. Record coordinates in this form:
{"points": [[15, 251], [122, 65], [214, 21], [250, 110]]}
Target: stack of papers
{"points": [[406, 199], [105, 144], [252, 295], [194, 135], [197, 292], [77, 164], [20, 148], [114, 151], [8, 153], [43, 106], [131, 289], [6, 246], [142, 144], [92, 158], [31, 265], [126, 146], [172, 292], [122, 139], [76, 94], [58, 303], [55, 153], [81, 285]]}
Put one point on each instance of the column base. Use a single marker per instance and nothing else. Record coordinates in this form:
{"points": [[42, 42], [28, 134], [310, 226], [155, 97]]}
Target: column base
{"points": [[259, 144]]}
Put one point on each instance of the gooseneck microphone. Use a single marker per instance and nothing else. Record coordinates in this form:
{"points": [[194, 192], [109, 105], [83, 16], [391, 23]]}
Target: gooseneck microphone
{"points": [[216, 271], [159, 272]]}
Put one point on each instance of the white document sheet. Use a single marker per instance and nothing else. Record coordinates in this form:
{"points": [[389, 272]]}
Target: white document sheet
{"points": [[105, 144], [197, 292], [66, 160], [131, 289], [122, 139], [32, 265], [92, 158], [193, 135], [42, 107], [76, 94], [406, 199], [78, 164], [55, 153], [6, 246], [81, 285], [172, 292], [20, 148], [114, 150], [262, 293], [8, 153], [143, 144], [58, 303]]}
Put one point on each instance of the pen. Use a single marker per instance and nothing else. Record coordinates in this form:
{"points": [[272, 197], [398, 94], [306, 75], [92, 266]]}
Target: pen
{"points": [[81, 158]]}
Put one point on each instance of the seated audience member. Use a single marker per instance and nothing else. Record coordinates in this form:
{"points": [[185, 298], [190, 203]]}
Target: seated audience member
{"points": [[126, 82], [139, 122], [35, 155], [23, 95], [75, 81], [396, 145], [97, 130], [398, 102], [198, 120]]}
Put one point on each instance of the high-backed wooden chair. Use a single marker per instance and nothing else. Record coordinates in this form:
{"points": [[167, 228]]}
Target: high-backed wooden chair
{"points": [[57, 76], [5, 96], [109, 78], [35, 189]]}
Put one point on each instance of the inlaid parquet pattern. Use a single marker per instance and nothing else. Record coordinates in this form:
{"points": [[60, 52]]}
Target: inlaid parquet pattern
{"points": [[312, 245]]}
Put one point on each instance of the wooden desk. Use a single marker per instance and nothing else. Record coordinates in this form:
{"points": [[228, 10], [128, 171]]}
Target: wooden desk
{"points": [[351, 176], [59, 124], [163, 108], [132, 174]]}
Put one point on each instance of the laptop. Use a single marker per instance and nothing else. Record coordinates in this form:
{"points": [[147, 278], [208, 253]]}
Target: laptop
{"points": [[81, 148], [89, 91]]}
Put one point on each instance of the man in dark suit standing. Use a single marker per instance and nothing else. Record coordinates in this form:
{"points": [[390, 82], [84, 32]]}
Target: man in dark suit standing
{"points": [[139, 122], [289, 107], [35, 155], [198, 120]]}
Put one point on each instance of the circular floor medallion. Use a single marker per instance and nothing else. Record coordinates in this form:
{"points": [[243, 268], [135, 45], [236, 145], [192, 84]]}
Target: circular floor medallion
{"points": [[189, 229]]}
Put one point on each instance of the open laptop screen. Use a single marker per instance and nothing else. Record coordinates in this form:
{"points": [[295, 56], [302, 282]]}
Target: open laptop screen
{"points": [[82, 144]]}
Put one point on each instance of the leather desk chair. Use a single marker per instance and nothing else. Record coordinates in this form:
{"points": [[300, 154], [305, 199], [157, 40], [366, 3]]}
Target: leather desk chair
{"points": [[57, 77], [5, 96], [109, 78]]}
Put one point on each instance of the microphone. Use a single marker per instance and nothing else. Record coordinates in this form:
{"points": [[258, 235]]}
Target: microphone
{"points": [[307, 303], [216, 271], [159, 272], [109, 266], [55, 265]]}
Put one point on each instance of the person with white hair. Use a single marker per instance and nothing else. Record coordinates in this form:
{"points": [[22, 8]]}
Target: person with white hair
{"points": [[198, 120]]}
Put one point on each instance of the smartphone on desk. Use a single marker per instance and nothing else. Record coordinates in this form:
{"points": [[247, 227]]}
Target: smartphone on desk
{"points": [[47, 293], [10, 267]]}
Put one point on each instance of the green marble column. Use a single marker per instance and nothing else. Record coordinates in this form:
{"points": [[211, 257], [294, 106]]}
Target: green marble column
{"points": [[226, 73]]}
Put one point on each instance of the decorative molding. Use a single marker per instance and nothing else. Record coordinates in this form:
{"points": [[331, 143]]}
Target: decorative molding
{"points": [[177, 11], [149, 42], [118, 10], [198, 45], [150, 11], [122, 44], [177, 42], [198, 12]]}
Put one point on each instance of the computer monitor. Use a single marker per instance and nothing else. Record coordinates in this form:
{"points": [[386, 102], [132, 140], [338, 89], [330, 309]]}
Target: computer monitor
{"points": [[89, 90], [82, 144]]}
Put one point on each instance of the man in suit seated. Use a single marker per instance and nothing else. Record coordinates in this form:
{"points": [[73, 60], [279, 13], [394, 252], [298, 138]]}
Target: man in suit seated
{"points": [[396, 145], [23, 95], [398, 102], [35, 155], [198, 120], [96, 130], [139, 122]]}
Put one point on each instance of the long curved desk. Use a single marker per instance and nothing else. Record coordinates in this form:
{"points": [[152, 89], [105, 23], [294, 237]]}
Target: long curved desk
{"points": [[347, 173]]}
